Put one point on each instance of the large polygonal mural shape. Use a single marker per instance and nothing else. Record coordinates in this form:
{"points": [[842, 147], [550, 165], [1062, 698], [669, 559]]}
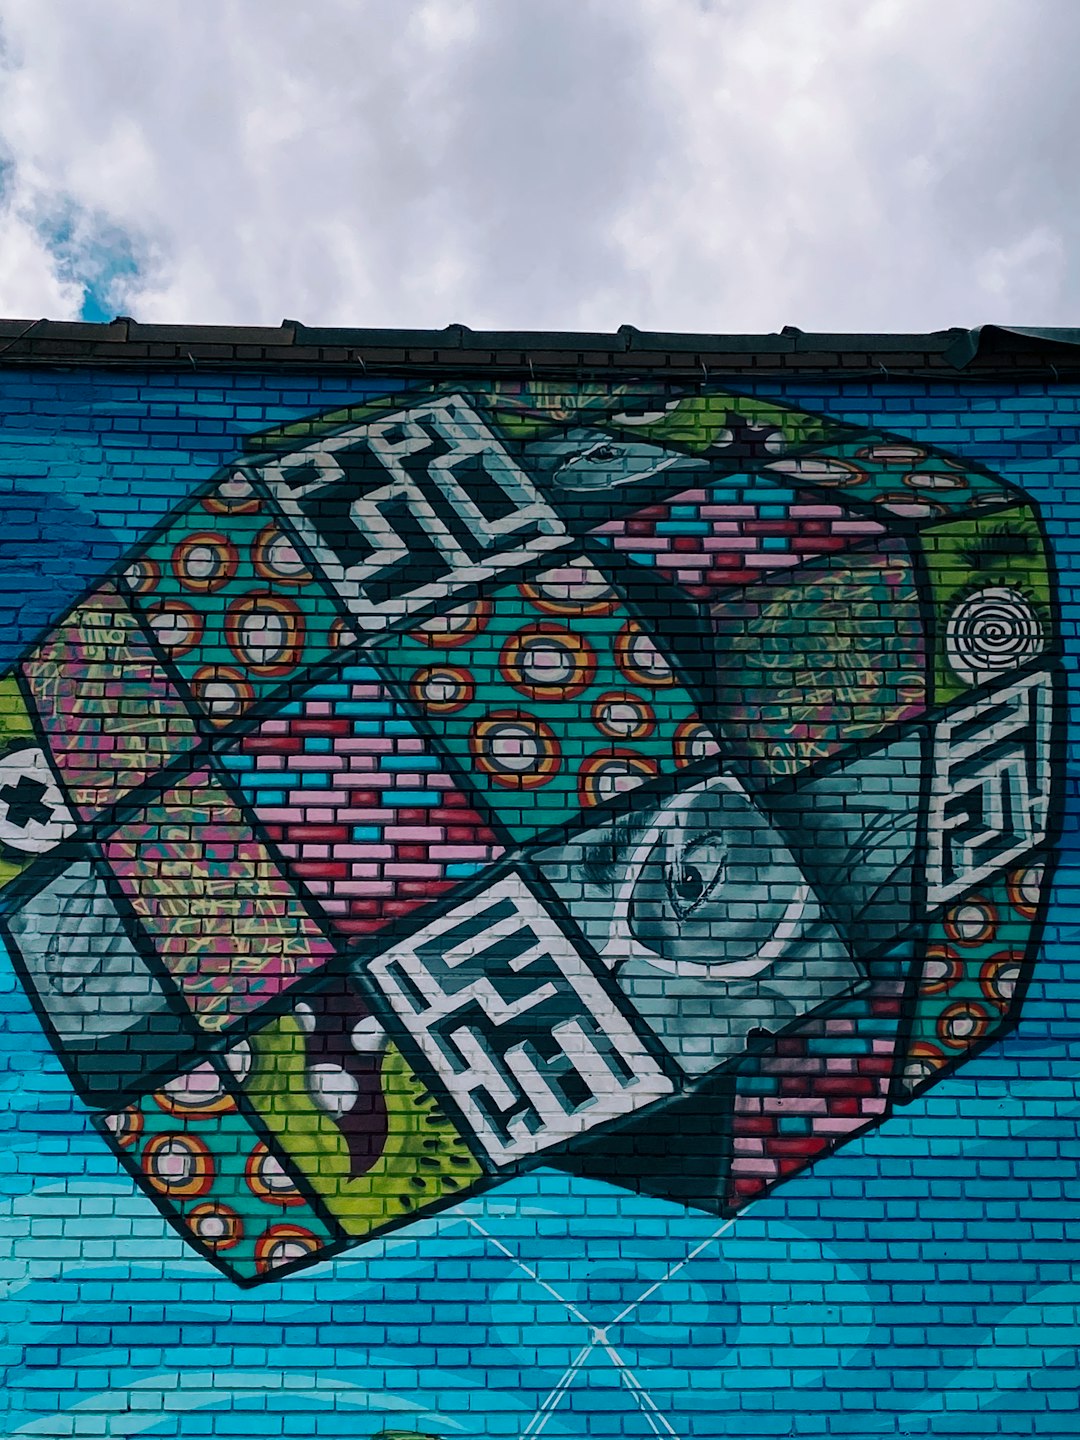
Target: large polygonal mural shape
{"points": [[657, 785]]}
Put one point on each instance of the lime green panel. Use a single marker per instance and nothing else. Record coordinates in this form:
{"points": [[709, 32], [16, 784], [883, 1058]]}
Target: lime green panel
{"points": [[423, 1159], [990, 589]]}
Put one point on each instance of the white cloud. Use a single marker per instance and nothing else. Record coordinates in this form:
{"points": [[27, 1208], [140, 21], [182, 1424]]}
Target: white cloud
{"points": [[1031, 267], [679, 164], [30, 283]]}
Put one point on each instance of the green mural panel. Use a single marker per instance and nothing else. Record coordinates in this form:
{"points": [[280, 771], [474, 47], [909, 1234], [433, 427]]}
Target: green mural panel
{"points": [[991, 598]]}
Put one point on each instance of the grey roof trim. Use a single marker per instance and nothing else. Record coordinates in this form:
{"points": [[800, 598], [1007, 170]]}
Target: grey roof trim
{"points": [[985, 350]]}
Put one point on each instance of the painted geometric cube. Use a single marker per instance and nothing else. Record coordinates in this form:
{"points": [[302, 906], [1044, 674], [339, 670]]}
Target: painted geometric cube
{"points": [[659, 784]]}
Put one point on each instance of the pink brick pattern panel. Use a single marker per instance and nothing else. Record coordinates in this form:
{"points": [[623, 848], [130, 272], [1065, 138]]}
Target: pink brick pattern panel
{"points": [[364, 814], [813, 1091], [706, 540]]}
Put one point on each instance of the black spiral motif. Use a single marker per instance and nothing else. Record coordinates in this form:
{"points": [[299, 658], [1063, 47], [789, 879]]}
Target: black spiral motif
{"points": [[992, 631]]}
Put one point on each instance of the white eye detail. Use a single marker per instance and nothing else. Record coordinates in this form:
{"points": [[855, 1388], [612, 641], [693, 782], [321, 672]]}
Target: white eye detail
{"points": [[367, 1036], [645, 417], [601, 453]]}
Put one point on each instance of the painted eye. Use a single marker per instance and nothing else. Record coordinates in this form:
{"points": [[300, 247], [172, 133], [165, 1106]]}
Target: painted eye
{"points": [[645, 416], [696, 874], [690, 885], [601, 453]]}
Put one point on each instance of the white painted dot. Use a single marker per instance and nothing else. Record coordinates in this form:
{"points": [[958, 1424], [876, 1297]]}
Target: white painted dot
{"points": [[647, 658], [200, 1086], [368, 1037], [263, 635], [238, 1059], [287, 1251], [332, 1089], [515, 749], [274, 1177], [201, 562], [220, 697], [548, 664], [970, 921], [284, 558], [623, 717], [170, 628], [441, 688], [174, 1162], [237, 487]]}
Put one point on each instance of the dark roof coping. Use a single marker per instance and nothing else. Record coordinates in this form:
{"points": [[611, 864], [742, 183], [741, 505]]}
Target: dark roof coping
{"points": [[984, 351]]}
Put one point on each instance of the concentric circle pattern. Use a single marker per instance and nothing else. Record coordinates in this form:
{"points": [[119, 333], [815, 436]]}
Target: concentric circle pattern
{"points": [[456, 626], [268, 1181], [571, 590], [991, 632], [639, 658], [517, 750], [233, 496], [442, 689], [196, 1095], [1025, 889], [942, 969], [265, 633], [893, 453], [1000, 976], [936, 480], [142, 575], [178, 1164], [962, 1024], [923, 1062], [125, 1126], [972, 922], [223, 690], [604, 776], [623, 715], [176, 626], [219, 1227], [282, 1245], [817, 471], [275, 558], [694, 741], [205, 562], [548, 662]]}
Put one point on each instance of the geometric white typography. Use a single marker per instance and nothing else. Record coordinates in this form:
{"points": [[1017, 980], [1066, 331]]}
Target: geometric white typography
{"points": [[522, 1033], [409, 507], [990, 796]]}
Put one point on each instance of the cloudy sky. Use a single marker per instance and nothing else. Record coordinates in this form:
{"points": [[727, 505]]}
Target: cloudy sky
{"points": [[718, 165]]}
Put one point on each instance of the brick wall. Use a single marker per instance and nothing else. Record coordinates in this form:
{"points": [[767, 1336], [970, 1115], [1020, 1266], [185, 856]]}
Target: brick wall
{"points": [[534, 902]]}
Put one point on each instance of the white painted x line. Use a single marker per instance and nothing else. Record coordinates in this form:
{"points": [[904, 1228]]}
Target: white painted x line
{"points": [[599, 1337]]}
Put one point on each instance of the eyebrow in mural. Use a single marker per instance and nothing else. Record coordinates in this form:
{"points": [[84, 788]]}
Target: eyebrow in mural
{"points": [[658, 784]]}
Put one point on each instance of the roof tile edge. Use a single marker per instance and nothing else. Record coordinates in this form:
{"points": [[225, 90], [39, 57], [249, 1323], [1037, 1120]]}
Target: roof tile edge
{"points": [[123, 341]]}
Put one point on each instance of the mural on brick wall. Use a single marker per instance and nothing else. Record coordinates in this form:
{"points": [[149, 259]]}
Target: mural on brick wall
{"points": [[656, 786]]}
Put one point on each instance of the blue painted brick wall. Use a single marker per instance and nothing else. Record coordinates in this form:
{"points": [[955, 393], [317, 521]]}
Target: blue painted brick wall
{"points": [[919, 1282]]}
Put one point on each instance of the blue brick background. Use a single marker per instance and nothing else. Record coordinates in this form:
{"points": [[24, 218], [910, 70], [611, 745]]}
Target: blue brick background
{"points": [[919, 1283]]}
